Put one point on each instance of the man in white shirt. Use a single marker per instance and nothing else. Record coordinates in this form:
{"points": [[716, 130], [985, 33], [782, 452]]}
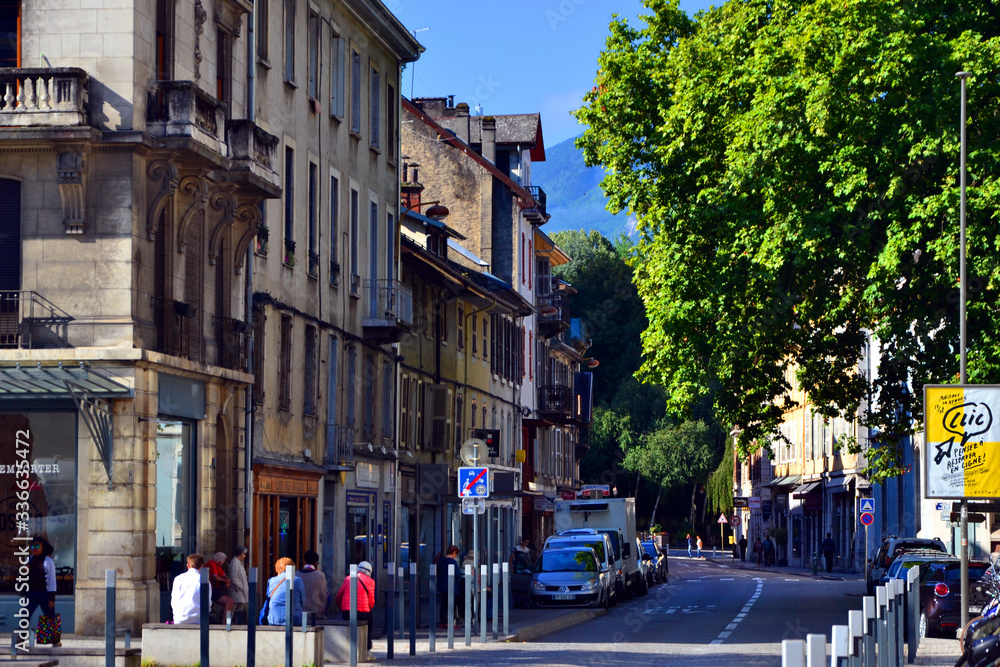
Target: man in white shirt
{"points": [[185, 600]]}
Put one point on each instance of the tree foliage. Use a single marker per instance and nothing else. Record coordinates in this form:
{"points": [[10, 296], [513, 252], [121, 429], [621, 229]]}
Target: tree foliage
{"points": [[793, 168], [720, 482]]}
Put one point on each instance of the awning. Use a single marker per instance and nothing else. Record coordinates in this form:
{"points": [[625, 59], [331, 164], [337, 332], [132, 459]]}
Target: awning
{"points": [[840, 484], [787, 480], [805, 489], [51, 382]]}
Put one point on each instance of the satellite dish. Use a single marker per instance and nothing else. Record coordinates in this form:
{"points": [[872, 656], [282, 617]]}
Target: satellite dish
{"points": [[473, 451]]}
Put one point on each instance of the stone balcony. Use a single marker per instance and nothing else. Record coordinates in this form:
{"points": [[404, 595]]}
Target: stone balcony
{"points": [[183, 110], [43, 96], [252, 153]]}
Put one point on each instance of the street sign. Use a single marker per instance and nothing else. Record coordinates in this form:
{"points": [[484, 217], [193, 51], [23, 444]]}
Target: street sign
{"points": [[735, 521], [867, 518], [868, 505], [473, 506], [740, 501], [722, 518], [754, 502], [605, 489], [973, 517], [473, 482], [569, 495]]}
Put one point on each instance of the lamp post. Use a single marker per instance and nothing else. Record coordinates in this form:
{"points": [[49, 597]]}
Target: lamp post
{"points": [[963, 378]]}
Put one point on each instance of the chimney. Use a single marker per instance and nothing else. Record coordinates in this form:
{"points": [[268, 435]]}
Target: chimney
{"points": [[488, 130], [461, 109], [432, 106]]}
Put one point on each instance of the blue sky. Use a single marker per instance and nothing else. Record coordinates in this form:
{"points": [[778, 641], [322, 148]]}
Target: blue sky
{"points": [[516, 56]]}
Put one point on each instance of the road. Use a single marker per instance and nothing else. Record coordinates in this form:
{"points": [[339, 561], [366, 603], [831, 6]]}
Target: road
{"points": [[709, 614]]}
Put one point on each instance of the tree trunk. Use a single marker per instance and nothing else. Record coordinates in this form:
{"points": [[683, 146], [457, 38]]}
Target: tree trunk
{"points": [[652, 517], [694, 496]]}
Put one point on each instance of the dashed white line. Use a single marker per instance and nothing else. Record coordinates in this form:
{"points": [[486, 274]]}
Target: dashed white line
{"points": [[743, 613]]}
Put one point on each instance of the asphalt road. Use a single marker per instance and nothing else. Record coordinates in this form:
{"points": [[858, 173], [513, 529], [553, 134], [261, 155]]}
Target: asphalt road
{"points": [[708, 614]]}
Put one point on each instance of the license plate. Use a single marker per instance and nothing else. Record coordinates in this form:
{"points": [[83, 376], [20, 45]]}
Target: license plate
{"points": [[975, 609], [563, 597]]}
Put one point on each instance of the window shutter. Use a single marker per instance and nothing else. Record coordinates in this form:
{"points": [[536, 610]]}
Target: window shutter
{"points": [[355, 91], [404, 411], [387, 411], [375, 107], [193, 282], [352, 367], [331, 384], [439, 399]]}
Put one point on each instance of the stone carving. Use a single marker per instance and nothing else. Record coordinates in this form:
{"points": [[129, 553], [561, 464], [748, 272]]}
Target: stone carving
{"points": [[248, 214], [165, 171], [225, 202], [70, 172], [200, 16]]}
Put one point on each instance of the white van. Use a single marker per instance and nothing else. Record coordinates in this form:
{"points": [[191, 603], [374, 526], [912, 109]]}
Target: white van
{"points": [[615, 517], [601, 544]]}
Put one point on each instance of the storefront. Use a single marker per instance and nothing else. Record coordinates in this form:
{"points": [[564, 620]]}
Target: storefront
{"points": [[286, 501]]}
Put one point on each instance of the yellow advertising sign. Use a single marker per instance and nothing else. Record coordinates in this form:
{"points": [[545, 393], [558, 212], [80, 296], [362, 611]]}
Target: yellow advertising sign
{"points": [[962, 452]]}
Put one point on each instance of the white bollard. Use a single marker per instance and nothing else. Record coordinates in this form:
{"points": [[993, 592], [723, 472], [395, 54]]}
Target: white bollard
{"points": [[815, 650], [839, 646], [793, 653]]}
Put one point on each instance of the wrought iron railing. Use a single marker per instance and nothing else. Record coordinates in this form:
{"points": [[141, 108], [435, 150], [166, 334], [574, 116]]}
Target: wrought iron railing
{"points": [[173, 327], [389, 300], [22, 312], [539, 196], [339, 444]]}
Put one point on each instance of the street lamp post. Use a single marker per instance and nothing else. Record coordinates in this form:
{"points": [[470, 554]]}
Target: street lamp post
{"points": [[963, 378]]}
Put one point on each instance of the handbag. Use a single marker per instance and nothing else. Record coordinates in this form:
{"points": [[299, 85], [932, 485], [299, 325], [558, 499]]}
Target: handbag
{"points": [[266, 609], [49, 629]]}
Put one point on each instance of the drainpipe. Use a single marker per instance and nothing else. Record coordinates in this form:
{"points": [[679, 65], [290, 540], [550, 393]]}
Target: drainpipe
{"points": [[248, 407]]}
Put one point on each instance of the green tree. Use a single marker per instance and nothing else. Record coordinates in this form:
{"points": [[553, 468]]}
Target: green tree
{"points": [[719, 489], [792, 166]]}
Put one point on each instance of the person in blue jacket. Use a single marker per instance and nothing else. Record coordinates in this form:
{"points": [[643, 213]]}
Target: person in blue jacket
{"points": [[277, 591]]}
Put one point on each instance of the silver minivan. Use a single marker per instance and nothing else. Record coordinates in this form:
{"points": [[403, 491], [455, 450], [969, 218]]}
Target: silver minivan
{"points": [[601, 544]]}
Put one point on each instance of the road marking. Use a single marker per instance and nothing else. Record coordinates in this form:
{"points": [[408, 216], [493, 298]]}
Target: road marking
{"points": [[743, 614], [727, 579], [787, 579]]}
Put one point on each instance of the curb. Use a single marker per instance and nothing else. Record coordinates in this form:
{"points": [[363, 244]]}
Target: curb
{"points": [[539, 630]]}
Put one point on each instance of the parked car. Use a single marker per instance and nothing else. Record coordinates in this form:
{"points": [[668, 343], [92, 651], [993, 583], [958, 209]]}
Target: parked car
{"points": [[658, 556], [646, 565], [891, 547], [601, 544], [907, 559], [570, 577], [941, 595]]}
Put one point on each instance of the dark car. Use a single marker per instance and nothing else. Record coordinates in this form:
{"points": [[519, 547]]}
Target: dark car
{"points": [[891, 547], [941, 595], [658, 557]]}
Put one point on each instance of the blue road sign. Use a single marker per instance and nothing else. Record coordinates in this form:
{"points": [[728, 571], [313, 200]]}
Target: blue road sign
{"points": [[474, 482], [868, 505]]}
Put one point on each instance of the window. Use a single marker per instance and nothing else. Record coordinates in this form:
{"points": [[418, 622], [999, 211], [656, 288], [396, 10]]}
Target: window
{"points": [[313, 194], [390, 247], [355, 91], [458, 423], [475, 336], [309, 372], [373, 255], [313, 88], [522, 258], [460, 324], [334, 229], [224, 70], [369, 389], [290, 41], [472, 424], [261, 29], [10, 20], [531, 254], [405, 411], [352, 367], [337, 75], [390, 121], [374, 107], [289, 257], [387, 411], [331, 388], [486, 322], [355, 269], [285, 364]]}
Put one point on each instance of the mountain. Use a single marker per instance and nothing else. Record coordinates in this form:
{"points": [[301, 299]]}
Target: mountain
{"points": [[573, 193]]}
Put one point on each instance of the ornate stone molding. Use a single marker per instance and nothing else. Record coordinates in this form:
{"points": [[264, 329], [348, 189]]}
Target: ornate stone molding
{"points": [[195, 187], [70, 172], [200, 16], [229, 14], [165, 171], [248, 214], [224, 202]]}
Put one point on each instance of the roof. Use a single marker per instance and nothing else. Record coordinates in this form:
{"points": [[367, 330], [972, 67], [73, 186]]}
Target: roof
{"points": [[466, 253], [55, 382], [437, 224], [546, 247]]}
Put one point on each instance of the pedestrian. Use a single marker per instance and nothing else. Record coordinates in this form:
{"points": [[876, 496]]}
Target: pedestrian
{"points": [[277, 590], [829, 549], [220, 582], [768, 551], [743, 548], [758, 551], [689, 545], [698, 539], [185, 596], [42, 584], [450, 558], [317, 595], [239, 586], [365, 595]]}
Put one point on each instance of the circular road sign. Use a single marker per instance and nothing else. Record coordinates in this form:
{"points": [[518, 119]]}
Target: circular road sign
{"points": [[867, 518], [735, 521]]}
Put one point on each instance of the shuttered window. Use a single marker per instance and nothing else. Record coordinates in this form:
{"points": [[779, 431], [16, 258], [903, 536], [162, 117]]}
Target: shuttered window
{"points": [[193, 281], [390, 122], [309, 372], [459, 407], [290, 41], [331, 383], [387, 410], [355, 91], [369, 398], [313, 57], [260, 8], [285, 364], [374, 85], [336, 75], [405, 411], [334, 228], [349, 395]]}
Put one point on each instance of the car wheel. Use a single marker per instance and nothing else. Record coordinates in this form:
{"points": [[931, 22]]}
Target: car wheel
{"points": [[922, 628]]}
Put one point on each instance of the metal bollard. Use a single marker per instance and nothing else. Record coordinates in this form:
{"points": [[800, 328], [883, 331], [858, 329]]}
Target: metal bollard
{"points": [[892, 613], [252, 618], [868, 610], [289, 609], [483, 579], [451, 605], [496, 598], [815, 650], [204, 600], [900, 619], [390, 606], [793, 653], [913, 610], [432, 595], [506, 599], [110, 588], [839, 646], [414, 595], [352, 614], [881, 633], [468, 605], [856, 622], [402, 602]]}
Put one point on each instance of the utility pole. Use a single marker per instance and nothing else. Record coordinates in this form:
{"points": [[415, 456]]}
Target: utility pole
{"points": [[963, 377]]}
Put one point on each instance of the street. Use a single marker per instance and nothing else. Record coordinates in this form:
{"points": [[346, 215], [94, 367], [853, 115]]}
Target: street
{"points": [[710, 613]]}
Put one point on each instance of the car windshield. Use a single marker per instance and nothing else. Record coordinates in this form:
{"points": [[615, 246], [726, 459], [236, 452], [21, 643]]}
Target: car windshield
{"points": [[596, 545], [566, 561], [650, 549], [615, 544]]}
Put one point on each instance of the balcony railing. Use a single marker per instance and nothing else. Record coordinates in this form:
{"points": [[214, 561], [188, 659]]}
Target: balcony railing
{"points": [[173, 327], [233, 342], [339, 444], [553, 313], [46, 96], [555, 400], [182, 109], [535, 211], [388, 310], [30, 321], [252, 150]]}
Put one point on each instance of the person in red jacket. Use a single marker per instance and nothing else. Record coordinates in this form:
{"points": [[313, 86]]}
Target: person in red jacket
{"points": [[365, 596]]}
